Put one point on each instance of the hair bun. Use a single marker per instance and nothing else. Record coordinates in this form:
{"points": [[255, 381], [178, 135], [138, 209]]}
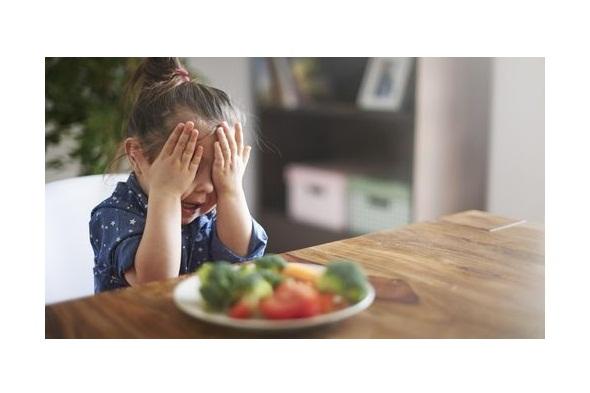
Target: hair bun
{"points": [[155, 71]]}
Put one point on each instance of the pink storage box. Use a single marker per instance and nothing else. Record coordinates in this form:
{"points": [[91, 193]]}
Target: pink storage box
{"points": [[317, 196]]}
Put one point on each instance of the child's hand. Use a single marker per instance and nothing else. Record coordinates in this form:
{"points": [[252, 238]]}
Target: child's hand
{"points": [[176, 166], [231, 159]]}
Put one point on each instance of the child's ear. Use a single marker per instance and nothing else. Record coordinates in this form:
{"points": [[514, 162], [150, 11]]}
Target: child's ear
{"points": [[134, 154]]}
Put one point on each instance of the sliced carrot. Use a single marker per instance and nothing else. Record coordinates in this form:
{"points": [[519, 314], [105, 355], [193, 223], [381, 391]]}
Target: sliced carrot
{"points": [[301, 272]]}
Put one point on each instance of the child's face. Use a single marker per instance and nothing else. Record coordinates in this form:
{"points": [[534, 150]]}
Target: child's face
{"points": [[201, 197]]}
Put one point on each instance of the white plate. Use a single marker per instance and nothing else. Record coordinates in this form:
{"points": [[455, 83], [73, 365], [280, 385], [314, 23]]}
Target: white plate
{"points": [[188, 298]]}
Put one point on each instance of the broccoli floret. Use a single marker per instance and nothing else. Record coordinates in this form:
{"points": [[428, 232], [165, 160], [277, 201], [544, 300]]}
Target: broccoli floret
{"points": [[218, 283], [344, 278], [223, 284], [258, 291], [204, 270], [216, 297], [271, 276], [271, 262], [251, 287], [246, 279], [246, 269]]}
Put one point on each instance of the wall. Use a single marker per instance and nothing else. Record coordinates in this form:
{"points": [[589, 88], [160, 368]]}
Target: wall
{"points": [[516, 183], [451, 146]]}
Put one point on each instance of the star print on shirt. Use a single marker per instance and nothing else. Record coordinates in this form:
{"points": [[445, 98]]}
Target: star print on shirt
{"points": [[132, 221]]}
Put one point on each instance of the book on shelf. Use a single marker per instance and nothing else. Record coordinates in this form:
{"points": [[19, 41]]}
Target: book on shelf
{"points": [[285, 88], [263, 82]]}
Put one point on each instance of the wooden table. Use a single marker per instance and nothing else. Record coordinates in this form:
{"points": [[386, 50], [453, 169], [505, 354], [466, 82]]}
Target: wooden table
{"points": [[467, 275]]}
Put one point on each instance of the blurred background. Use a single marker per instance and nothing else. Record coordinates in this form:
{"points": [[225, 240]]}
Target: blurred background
{"points": [[342, 146]]}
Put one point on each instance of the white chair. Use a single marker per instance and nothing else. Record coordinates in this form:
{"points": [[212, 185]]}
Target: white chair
{"points": [[68, 255]]}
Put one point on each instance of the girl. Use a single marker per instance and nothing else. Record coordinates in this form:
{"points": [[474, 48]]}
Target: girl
{"points": [[185, 145]]}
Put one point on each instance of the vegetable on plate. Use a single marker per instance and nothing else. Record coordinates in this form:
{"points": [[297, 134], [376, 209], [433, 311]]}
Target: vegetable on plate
{"points": [[272, 288]]}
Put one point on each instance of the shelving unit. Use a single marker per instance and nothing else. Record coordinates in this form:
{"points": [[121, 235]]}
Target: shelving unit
{"points": [[325, 137], [436, 144], [325, 133]]}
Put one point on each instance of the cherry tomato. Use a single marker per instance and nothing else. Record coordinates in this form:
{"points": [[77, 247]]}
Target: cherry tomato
{"points": [[291, 299], [240, 310], [327, 302]]}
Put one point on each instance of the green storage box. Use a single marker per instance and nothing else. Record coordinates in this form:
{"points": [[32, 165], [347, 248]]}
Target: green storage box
{"points": [[376, 204]]}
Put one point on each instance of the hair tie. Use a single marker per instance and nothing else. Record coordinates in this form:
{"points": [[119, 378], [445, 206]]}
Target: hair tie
{"points": [[183, 74]]}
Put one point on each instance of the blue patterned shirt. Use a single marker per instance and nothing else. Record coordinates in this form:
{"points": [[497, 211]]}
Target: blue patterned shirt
{"points": [[116, 227]]}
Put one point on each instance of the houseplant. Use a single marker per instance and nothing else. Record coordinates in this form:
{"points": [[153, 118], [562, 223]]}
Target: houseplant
{"points": [[85, 103]]}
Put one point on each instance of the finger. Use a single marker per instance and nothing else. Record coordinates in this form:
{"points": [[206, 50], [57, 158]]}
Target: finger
{"points": [[246, 155], [183, 140], [239, 139], [233, 148], [196, 160], [189, 150], [219, 161], [224, 144], [173, 139]]}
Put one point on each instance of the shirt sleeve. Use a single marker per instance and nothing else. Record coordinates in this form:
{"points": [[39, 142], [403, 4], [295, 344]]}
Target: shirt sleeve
{"points": [[115, 235], [256, 247]]}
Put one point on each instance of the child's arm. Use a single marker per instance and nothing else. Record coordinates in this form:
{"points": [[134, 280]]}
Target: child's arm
{"points": [[159, 253], [234, 222]]}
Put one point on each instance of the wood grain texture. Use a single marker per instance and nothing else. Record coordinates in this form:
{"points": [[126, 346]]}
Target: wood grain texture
{"points": [[441, 279], [481, 220]]}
